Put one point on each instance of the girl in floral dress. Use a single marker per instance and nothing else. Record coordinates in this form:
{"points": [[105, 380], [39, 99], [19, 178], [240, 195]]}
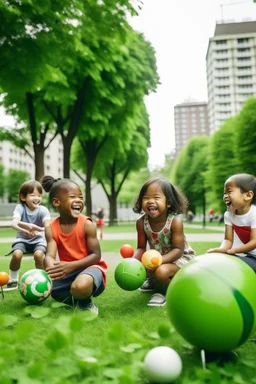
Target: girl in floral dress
{"points": [[159, 226]]}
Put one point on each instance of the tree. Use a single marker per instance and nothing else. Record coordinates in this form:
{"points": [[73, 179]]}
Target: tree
{"points": [[189, 173], [50, 88], [114, 172], [112, 159], [31, 34], [14, 179], [131, 188], [245, 137], [222, 160], [116, 113]]}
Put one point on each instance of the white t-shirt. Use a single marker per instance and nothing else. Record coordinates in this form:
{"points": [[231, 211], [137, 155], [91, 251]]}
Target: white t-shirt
{"points": [[242, 225]]}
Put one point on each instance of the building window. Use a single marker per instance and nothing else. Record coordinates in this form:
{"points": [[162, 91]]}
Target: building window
{"points": [[221, 42], [243, 49], [244, 40]]}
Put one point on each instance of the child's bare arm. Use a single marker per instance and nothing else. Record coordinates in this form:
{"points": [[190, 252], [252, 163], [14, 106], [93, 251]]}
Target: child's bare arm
{"points": [[51, 250], [141, 239], [59, 269], [226, 243], [177, 240], [27, 229], [246, 248]]}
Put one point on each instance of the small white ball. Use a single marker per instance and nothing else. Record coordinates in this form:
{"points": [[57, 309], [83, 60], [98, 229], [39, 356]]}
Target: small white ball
{"points": [[162, 364]]}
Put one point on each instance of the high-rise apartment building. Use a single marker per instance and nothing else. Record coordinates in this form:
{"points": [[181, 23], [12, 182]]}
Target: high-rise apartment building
{"points": [[190, 119], [13, 157], [231, 70]]}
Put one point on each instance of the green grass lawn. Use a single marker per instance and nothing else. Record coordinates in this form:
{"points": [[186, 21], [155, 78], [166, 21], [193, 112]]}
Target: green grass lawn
{"points": [[58, 345], [51, 344]]}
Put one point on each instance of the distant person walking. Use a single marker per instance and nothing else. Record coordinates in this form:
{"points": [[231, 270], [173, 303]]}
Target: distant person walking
{"points": [[211, 215], [190, 216], [100, 221]]}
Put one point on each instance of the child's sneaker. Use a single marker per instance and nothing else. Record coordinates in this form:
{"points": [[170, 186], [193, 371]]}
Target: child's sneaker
{"points": [[11, 285], [157, 300], [92, 307], [147, 286]]}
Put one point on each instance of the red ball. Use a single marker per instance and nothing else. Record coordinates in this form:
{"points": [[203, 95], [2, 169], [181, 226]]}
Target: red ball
{"points": [[126, 251], [4, 278]]}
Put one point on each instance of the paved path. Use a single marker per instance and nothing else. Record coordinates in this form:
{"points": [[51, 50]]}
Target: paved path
{"points": [[196, 237]]}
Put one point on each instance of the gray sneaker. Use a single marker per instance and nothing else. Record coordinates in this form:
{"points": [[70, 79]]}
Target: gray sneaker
{"points": [[11, 285], [147, 286], [157, 300], [92, 307]]}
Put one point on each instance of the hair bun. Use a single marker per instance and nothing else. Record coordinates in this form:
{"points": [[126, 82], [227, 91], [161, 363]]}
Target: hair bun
{"points": [[47, 182]]}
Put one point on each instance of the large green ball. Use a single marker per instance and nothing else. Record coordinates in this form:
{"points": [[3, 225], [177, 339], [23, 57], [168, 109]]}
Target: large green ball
{"points": [[211, 302], [130, 274], [35, 286]]}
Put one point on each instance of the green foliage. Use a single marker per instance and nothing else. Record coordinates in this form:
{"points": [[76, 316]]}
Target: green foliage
{"points": [[245, 137], [190, 169], [50, 92], [14, 179], [131, 186], [222, 160], [64, 347]]}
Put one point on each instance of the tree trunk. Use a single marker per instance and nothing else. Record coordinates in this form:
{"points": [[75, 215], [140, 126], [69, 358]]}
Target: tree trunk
{"points": [[66, 157], [39, 161], [204, 209], [88, 196]]}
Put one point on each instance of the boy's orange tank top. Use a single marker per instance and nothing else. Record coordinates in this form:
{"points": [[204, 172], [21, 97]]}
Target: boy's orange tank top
{"points": [[73, 246]]}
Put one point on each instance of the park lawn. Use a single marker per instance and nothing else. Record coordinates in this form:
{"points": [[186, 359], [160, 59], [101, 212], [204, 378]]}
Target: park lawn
{"points": [[126, 228], [114, 246], [60, 345], [51, 344]]}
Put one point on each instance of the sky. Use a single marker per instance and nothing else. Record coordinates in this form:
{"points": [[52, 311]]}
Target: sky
{"points": [[179, 31]]}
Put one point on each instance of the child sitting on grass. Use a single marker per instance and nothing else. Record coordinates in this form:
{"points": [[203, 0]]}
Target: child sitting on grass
{"points": [[80, 272], [161, 202], [30, 218], [240, 219]]}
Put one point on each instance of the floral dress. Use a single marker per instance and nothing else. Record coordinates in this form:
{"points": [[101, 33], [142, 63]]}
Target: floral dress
{"points": [[162, 241]]}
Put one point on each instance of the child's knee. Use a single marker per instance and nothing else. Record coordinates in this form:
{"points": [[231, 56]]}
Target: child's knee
{"points": [[82, 285], [39, 259], [17, 254], [38, 255], [165, 271]]}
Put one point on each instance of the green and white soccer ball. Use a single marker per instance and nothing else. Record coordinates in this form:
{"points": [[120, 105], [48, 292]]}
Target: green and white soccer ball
{"points": [[35, 286]]}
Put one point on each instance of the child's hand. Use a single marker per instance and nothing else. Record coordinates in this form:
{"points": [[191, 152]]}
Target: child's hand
{"points": [[231, 251], [31, 230], [59, 270], [216, 250]]}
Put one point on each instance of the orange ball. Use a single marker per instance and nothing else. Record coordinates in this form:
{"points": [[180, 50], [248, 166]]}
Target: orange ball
{"points": [[151, 259], [126, 251], [4, 278]]}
